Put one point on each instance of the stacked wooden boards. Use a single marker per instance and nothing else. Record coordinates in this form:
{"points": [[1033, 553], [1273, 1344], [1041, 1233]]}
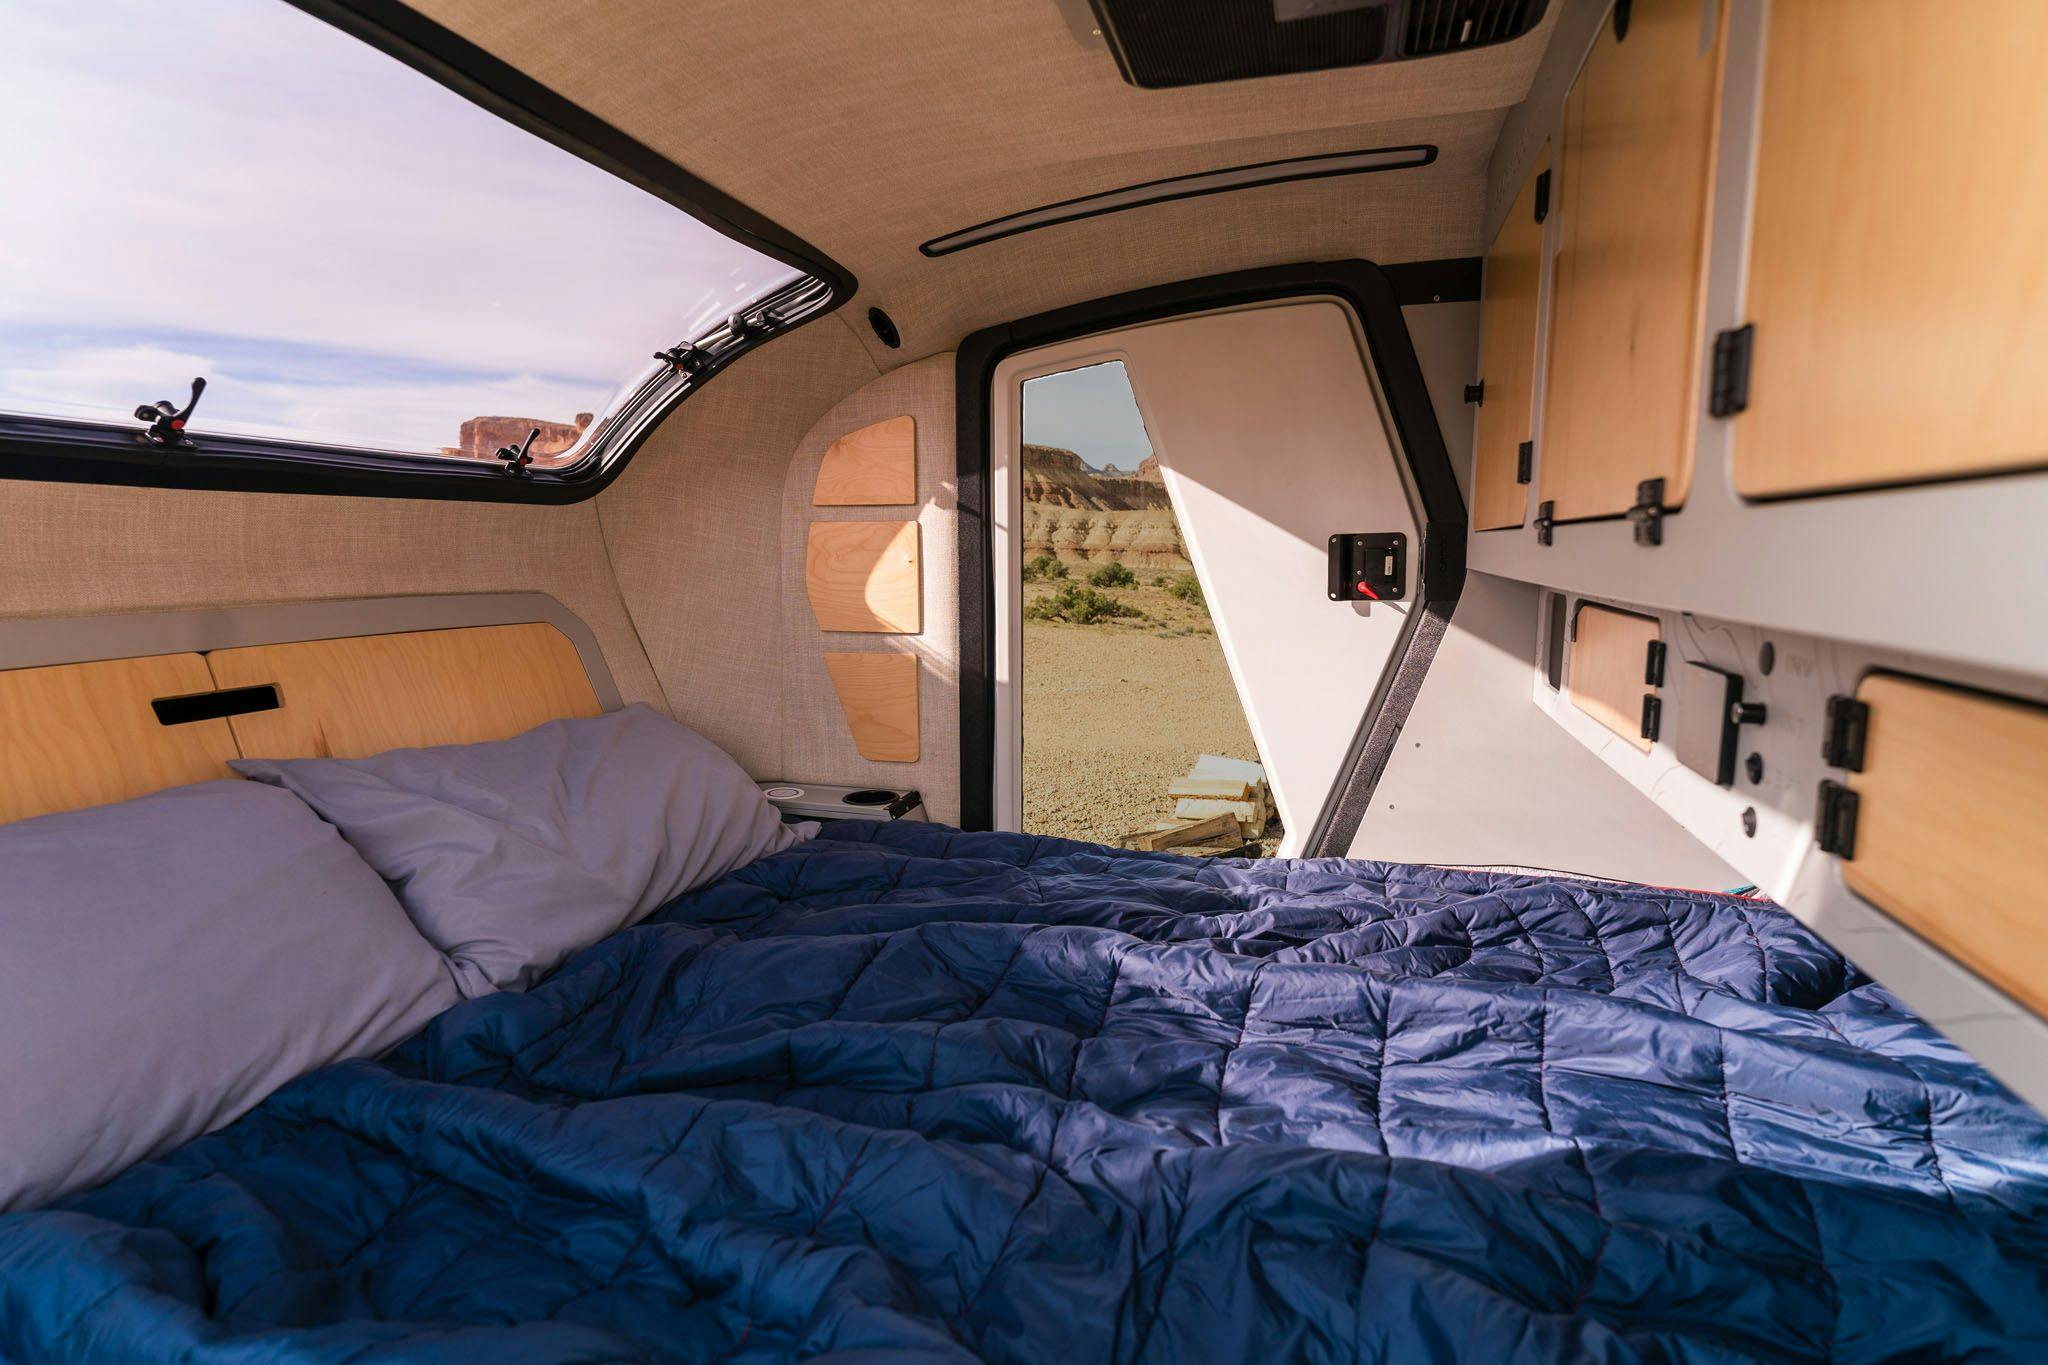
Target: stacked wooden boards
{"points": [[865, 577], [1222, 805]]}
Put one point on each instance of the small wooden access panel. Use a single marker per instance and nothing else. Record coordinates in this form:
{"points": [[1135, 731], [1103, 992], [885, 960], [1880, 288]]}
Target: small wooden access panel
{"points": [[1621, 390], [875, 466], [84, 734], [878, 693], [864, 576], [361, 695], [1896, 284], [1609, 677], [1950, 806], [1507, 358]]}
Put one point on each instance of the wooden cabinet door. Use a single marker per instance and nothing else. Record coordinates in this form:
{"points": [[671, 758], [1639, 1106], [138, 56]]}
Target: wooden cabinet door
{"points": [[1610, 668], [1896, 275], [1507, 360], [1623, 382], [1950, 798]]}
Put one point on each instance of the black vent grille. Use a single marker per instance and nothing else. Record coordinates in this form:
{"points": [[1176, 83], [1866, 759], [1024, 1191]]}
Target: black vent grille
{"points": [[1160, 44], [1436, 26]]}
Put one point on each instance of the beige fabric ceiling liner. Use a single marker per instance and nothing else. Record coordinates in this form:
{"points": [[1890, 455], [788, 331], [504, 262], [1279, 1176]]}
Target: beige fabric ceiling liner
{"points": [[888, 123], [1185, 187]]}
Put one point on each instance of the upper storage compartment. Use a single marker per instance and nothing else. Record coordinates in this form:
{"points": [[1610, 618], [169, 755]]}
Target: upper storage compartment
{"points": [[1507, 358], [1895, 281], [1624, 366]]}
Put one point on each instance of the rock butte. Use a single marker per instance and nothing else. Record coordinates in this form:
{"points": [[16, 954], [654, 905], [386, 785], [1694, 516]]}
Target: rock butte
{"points": [[1084, 514]]}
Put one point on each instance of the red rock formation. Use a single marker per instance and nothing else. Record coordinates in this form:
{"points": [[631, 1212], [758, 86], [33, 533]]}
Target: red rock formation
{"points": [[484, 437]]}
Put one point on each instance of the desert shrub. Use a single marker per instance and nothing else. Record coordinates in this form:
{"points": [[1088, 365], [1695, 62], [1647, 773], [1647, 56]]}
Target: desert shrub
{"points": [[1112, 575], [1043, 566], [1187, 588], [1079, 605]]}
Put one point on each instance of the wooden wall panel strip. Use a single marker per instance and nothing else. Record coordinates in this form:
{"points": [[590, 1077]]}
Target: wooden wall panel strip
{"points": [[864, 576], [1895, 276], [1507, 361], [350, 698], [1628, 288], [878, 693], [1951, 804], [873, 467], [84, 735], [1608, 659]]}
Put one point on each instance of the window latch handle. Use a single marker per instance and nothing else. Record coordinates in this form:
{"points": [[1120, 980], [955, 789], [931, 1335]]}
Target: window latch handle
{"points": [[166, 423], [684, 358], [518, 457]]}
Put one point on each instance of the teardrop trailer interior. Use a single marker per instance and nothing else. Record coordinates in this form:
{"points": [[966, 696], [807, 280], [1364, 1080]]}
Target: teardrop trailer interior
{"points": [[1059, 679]]}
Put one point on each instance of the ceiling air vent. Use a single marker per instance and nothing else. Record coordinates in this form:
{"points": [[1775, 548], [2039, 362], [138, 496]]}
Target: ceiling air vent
{"points": [[1162, 44], [1453, 25]]}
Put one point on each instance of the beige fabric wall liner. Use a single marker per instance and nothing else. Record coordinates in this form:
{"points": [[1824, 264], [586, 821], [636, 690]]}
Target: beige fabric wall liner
{"points": [[817, 745], [694, 528], [83, 549]]}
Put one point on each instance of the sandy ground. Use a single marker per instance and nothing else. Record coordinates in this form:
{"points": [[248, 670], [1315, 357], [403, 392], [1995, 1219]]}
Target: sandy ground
{"points": [[1114, 712]]}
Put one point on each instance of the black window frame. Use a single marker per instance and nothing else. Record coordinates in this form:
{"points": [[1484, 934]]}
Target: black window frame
{"points": [[68, 451]]}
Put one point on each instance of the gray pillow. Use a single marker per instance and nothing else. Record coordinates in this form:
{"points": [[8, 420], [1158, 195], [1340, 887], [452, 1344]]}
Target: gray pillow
{"points": [[167, 962], [512, 855]]}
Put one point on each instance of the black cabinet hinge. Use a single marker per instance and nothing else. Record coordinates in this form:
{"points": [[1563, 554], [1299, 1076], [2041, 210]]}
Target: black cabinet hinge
{"points": [[1834, 820], [1620, 20], [1542, 196], [1525, 462], [1546, 522], [1648, 513], [1653, 716], [1728, 388], [1475, 394], [1653, 663], [1848, 727]]}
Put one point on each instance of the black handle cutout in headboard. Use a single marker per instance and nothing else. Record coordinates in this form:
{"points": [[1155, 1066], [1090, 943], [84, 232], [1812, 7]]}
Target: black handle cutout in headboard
{"points": [[229, 701]]}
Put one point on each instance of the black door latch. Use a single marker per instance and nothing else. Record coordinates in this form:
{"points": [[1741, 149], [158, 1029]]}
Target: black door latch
{"points": [[1368, 566]]}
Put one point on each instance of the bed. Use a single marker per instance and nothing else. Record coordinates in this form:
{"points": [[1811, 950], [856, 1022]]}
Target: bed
{"points": [[904, 1093]]}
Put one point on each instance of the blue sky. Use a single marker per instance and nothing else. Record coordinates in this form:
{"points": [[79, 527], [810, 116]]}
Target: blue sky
{"points": [[346, 250], [1091, 412]]}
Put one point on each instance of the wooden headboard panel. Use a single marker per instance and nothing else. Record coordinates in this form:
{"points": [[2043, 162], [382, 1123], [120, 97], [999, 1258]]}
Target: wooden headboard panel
{"points": [[85, 734], [354, 697]]}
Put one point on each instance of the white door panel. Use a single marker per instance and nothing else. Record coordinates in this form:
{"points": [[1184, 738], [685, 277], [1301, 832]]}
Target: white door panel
{"points": [[1270, 437]]}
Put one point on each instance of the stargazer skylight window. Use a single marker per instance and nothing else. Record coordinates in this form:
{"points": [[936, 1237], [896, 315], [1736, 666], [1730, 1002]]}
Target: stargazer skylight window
{"points": [[362, 264]]}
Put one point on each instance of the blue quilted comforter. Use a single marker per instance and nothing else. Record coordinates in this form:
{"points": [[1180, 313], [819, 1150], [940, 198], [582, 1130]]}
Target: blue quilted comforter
{"points": [[909, 1094]]}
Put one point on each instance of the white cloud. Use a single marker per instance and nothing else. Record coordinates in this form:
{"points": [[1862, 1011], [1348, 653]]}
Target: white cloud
{"points": [[265, 176]]}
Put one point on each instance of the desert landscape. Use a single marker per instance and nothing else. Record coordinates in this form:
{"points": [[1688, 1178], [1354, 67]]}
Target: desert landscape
{"points": [[1125, 684]]}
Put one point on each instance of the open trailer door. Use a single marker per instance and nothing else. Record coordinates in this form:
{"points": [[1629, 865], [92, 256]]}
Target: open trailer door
{"points": [[1282, 531]]}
